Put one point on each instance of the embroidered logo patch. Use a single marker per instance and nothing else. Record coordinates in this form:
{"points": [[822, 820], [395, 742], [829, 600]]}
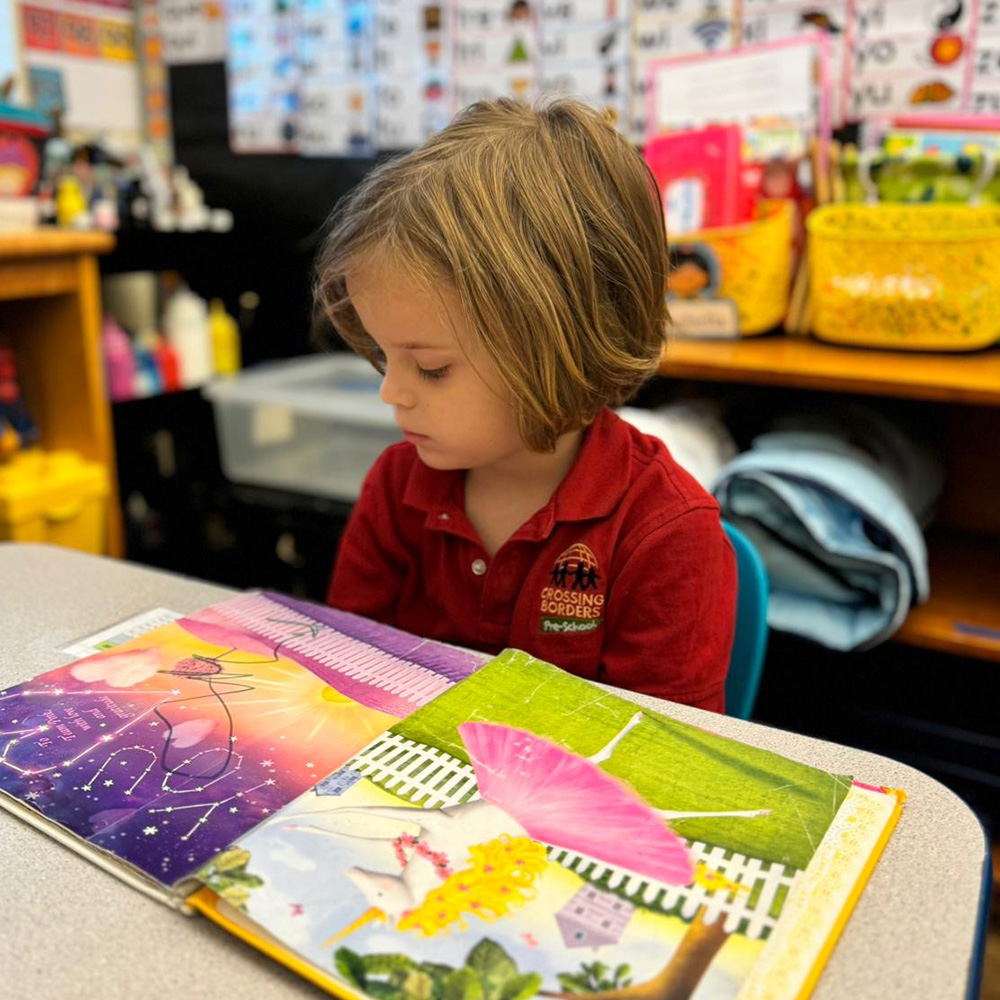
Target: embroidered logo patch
{"points": [[575, 600]]}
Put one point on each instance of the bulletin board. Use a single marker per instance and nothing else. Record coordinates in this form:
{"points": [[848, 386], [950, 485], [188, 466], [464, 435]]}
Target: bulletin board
{"points": [[349, 77], [81, 55]]}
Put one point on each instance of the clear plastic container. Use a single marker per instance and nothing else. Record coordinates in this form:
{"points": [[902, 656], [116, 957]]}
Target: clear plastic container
{"points": [[312, 425]]}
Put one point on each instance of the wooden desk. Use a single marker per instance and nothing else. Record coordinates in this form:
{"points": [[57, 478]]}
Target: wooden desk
{"points": [[50, 307], [73, 930]]}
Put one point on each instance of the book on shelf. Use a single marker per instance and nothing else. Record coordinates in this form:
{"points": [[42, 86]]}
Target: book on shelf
{"points": [[398, 819]]}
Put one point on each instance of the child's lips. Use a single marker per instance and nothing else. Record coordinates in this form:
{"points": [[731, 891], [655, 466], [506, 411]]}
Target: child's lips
{"points": [[413, 437]]}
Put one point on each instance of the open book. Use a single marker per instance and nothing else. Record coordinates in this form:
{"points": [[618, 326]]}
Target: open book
{"points": [[395, 820]]}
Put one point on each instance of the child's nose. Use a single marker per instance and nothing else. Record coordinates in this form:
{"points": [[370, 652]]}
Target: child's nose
{"points": [[394, 390]]}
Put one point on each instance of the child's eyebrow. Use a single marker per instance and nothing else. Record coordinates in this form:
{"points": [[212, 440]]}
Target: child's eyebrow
{"points": [[417, 346]]}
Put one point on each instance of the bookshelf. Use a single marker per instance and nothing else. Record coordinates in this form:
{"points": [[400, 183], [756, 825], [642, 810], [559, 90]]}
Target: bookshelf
{"points": [[962, 615], [50, 308]]}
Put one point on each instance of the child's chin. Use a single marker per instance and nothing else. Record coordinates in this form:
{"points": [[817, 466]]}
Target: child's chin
{"points": [[435, 459]]}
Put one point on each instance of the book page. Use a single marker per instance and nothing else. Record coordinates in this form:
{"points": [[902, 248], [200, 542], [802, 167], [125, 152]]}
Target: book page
{"points": [[528, 832], [166, 748]]}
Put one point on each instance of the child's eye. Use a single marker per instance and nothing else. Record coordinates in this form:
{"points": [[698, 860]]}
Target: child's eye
{"points": [[433, 374]]}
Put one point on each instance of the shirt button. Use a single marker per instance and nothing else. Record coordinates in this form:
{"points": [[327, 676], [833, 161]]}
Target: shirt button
{"points": [[479, 566], [444, 517]]}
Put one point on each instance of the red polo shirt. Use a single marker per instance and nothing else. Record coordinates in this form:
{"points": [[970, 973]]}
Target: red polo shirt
{"points": [[625, 576]]}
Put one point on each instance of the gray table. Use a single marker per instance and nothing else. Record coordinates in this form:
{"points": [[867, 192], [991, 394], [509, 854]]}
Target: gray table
{"points": [[71, 930]]}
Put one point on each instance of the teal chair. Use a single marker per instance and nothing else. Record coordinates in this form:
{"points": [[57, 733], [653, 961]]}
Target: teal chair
{"points": [[746, 662]]}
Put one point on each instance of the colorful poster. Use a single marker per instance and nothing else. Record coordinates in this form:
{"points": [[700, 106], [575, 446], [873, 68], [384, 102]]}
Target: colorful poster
{"points": [[765, 21], [585, 49], [263, 73], [495, 50], [909, 56], [168, 747], [194, 31], [984, 86], [91, 45], [413, 62], [336, 61]]}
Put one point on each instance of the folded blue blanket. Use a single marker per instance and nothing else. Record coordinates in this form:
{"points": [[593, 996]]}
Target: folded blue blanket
{"points": [[844, 553]]}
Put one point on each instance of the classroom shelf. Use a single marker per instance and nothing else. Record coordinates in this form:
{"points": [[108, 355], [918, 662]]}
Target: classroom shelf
{"points": [[801, 362], [962, 615], [50, 310]]}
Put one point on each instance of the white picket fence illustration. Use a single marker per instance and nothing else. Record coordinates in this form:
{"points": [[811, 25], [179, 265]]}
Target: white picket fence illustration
{"points": [[352, 657], [434, 779]]}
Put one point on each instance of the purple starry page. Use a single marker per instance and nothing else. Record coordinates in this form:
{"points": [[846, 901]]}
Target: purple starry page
{"points": [[164, 750]]}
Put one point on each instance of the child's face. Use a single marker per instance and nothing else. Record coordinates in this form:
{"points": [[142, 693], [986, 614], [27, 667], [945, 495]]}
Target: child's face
{"points": [[448, 401]]}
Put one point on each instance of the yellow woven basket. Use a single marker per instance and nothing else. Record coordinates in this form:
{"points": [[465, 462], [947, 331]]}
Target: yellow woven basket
{"points": [[755, 265], [914, 277]]}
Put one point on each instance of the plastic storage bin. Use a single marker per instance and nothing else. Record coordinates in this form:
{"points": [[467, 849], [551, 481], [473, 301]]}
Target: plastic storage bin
{"points": [[311, 425], [54, 497]]}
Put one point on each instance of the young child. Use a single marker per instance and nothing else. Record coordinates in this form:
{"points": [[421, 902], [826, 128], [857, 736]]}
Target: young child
{"points": [[508, 279]]}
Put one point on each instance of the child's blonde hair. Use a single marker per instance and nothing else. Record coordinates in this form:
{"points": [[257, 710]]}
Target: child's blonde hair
{"points": [[548, 224]]}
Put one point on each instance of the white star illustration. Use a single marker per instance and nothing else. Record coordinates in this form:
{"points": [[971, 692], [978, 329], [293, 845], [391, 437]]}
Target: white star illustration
{"points": [[309, 763], [150, 830], [109, 783], [267, 763], [270, 781], [32, 795], [233, 809]]}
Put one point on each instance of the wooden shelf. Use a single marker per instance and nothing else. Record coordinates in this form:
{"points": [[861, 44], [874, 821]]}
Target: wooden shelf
{"points": [[51, 306], [962, 615], [46, 262], [53, 243], [801, 362]]}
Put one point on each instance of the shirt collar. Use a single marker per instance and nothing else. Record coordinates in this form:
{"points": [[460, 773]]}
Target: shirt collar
{"points": [[591, 489]]}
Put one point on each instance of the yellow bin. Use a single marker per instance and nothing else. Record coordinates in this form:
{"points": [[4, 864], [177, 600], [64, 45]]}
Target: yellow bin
{"points": [[54, 497], [910, 277]]}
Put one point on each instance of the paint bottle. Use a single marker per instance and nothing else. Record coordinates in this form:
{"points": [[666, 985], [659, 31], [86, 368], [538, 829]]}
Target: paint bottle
{"points": [[119, 361], [148, 380], [185, 323], [225, 339], [169, 364]]}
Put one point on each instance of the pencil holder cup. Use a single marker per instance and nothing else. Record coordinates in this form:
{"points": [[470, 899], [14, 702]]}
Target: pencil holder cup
{"points": [[912, 277]]}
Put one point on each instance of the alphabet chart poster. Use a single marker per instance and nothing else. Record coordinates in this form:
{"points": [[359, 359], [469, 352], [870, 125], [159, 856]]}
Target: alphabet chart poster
{"points": [[664, 29], [766, 21], [336, 59], [349, 77], [585, 49], [984, 91], [263, 73], [495, 50], [910, 55], [413, 61]]}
